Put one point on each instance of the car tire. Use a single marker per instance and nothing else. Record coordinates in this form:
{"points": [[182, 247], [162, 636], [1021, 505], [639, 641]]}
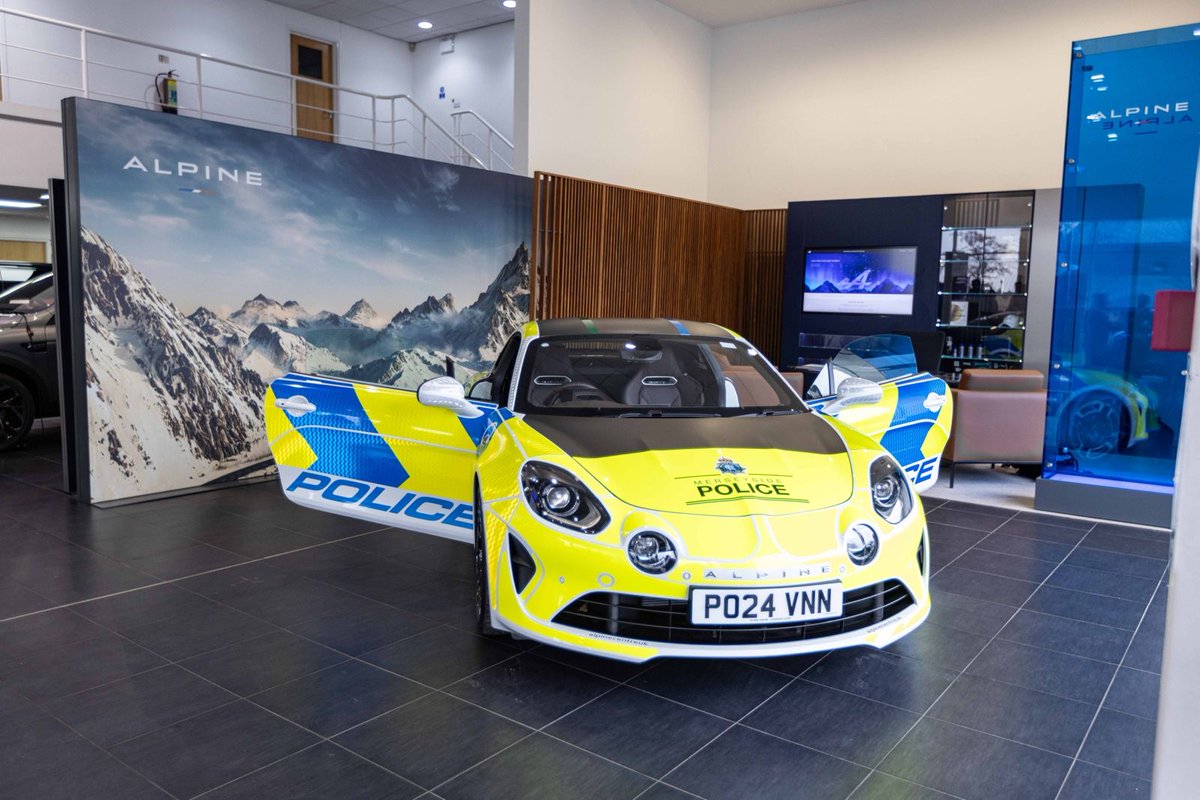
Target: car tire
{"points": [[483, 605], [17, 412], [1093, 427]]}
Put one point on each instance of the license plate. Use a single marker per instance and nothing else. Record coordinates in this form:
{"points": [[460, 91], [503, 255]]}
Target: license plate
{"points": [[766, 605]]}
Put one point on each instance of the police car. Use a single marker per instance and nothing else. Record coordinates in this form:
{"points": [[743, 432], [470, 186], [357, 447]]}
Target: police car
{"points": [[637, 488]]}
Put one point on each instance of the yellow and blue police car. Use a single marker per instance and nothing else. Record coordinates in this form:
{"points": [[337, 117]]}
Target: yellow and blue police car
{"points": [[636, 488]]}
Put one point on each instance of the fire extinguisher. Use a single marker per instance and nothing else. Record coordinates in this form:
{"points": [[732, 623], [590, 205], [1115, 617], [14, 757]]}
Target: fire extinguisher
{"points": [[168, 92]]}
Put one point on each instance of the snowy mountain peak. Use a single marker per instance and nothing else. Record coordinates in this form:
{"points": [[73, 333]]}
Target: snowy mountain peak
{"points": [[172, 398], [500, 308], [272, 351], [432, 306], [262, 309], [361, 313]]}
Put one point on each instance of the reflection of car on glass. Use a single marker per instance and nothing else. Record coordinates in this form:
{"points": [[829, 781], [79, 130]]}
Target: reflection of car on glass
{"points": [[28, 366], [14, 272], [638, 488], [1094, 414]]}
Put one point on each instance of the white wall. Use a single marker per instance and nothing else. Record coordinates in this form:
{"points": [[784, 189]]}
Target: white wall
{"points": [[1043, 260], [245, 31], [1179, 694], [520, 137], [24, 229], [31, 151], [252, 32], [619, 92], [899, 97], [478, 76]]}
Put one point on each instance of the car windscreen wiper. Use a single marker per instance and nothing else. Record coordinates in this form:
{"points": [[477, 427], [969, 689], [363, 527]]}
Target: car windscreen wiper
{"points": [[772, 412], [661, 412]]}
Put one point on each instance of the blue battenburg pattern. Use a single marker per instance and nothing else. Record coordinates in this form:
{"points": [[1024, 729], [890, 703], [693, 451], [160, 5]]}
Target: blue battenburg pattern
{"points": [[905, 442], [340, 432]]}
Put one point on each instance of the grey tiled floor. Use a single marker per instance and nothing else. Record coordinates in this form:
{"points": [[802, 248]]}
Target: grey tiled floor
{"points": [[230, 645]]}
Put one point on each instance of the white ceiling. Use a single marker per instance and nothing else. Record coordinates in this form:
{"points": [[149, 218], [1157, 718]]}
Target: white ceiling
{"points": [[718, 13], [398, 18]]}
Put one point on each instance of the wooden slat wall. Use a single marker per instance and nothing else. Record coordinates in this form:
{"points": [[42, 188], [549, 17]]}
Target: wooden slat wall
{"points": [[762, 298], [609, 251]]}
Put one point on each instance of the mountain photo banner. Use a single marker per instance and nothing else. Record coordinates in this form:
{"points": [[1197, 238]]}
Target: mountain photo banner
{"points": [[216, 258]]}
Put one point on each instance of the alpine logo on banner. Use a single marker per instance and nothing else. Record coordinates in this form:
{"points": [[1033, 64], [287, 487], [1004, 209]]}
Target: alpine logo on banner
{"points": [[190, 169]]}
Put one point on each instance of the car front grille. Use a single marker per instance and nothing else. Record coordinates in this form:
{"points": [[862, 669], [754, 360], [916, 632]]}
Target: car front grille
{"points": [[657, 619]]}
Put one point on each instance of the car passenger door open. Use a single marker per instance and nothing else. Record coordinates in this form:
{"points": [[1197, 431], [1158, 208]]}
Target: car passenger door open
{"points": [[376, 452]]}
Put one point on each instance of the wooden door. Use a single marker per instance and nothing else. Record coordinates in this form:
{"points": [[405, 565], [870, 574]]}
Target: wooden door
{"points": [[314, 104]]}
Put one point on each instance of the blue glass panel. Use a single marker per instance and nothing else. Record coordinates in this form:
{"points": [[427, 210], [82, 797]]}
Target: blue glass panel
{"points": [[1129, 187]]}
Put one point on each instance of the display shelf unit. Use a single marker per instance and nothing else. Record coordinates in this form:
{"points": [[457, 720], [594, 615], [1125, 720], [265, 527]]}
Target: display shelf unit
{"points": [[983, 280]]}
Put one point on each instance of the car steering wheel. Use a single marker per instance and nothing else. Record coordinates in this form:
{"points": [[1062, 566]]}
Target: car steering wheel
{"points": [[575, 390]]}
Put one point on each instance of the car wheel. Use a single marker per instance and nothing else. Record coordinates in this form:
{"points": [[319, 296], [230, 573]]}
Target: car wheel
{"points": [[16, 412], [483, 605], [1095, 426]]}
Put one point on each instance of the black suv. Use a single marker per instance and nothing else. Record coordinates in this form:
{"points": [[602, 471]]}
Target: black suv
{"points": [[28, 362]]}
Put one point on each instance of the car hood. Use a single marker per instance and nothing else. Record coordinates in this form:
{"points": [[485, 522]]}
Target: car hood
{"points": [[729, 467]]}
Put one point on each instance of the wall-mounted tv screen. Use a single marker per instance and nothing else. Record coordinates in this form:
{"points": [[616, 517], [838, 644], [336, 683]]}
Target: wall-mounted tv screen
{"points": [[870, 280]]}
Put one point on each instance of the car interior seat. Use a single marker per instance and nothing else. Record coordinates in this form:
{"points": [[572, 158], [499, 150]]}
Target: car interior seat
{"points": [[552, 373], [662, 383]]}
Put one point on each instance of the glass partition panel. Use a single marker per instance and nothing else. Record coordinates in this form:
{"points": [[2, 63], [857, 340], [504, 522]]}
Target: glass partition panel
{"points": [[1114, 405]]}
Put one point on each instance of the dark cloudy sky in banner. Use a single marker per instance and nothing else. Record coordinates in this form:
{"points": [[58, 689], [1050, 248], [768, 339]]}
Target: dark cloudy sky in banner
{"points": [[327, 226]]}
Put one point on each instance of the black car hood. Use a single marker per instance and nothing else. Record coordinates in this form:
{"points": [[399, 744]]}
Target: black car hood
{"points": [[601, 437]]}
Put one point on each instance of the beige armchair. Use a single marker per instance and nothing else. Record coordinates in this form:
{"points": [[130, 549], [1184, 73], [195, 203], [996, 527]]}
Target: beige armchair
{"points": [[999, 418]]}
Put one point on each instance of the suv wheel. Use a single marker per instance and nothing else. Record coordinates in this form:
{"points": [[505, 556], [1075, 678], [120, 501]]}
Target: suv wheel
{"points": [[16, 412]]}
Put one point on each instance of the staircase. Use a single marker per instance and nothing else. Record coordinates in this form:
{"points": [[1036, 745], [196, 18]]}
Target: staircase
{"points": [[43, 60]]}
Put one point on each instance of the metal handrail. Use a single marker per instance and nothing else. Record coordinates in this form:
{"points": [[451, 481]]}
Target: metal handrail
{"points": [[425, 124], [492, 133]]}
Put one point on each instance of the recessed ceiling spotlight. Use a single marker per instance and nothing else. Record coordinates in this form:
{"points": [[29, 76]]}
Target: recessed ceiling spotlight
{"points": [[44, 196], [424, 24], [510, 3]]}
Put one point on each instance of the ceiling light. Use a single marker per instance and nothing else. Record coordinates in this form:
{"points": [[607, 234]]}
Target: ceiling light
{"points": [[44, 196], [18, 204], [510, 3], [424, 24]]}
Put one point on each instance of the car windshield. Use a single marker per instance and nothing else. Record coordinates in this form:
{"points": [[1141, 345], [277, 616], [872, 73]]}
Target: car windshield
{"points": [[878, 358], [651, 376]]}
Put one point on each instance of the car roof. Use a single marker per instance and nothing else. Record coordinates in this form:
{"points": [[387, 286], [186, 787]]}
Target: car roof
{"points": [[630, 326]]}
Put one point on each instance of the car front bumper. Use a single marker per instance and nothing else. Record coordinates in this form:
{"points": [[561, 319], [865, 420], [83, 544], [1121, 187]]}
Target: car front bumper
{"points": [[585, 595]]}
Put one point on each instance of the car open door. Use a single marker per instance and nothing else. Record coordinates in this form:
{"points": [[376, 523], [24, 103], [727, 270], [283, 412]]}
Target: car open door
{"points": [[376, 452], [912, 416]]}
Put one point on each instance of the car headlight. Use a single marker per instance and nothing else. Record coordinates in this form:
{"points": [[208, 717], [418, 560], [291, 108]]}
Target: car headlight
{"points": [[557, 496], [889, 490], [862, 544], [651, 552]]}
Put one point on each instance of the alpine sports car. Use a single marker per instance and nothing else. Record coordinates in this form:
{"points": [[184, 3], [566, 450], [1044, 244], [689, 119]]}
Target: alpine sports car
{"points": [[641, 488]]}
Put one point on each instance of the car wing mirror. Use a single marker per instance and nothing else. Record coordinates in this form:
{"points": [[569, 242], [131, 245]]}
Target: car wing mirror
{"points": [[445, 392], [854, 392]]}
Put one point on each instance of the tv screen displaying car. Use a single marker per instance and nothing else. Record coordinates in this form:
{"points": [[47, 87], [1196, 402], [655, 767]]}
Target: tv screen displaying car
{"points": [[870, 280]]}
